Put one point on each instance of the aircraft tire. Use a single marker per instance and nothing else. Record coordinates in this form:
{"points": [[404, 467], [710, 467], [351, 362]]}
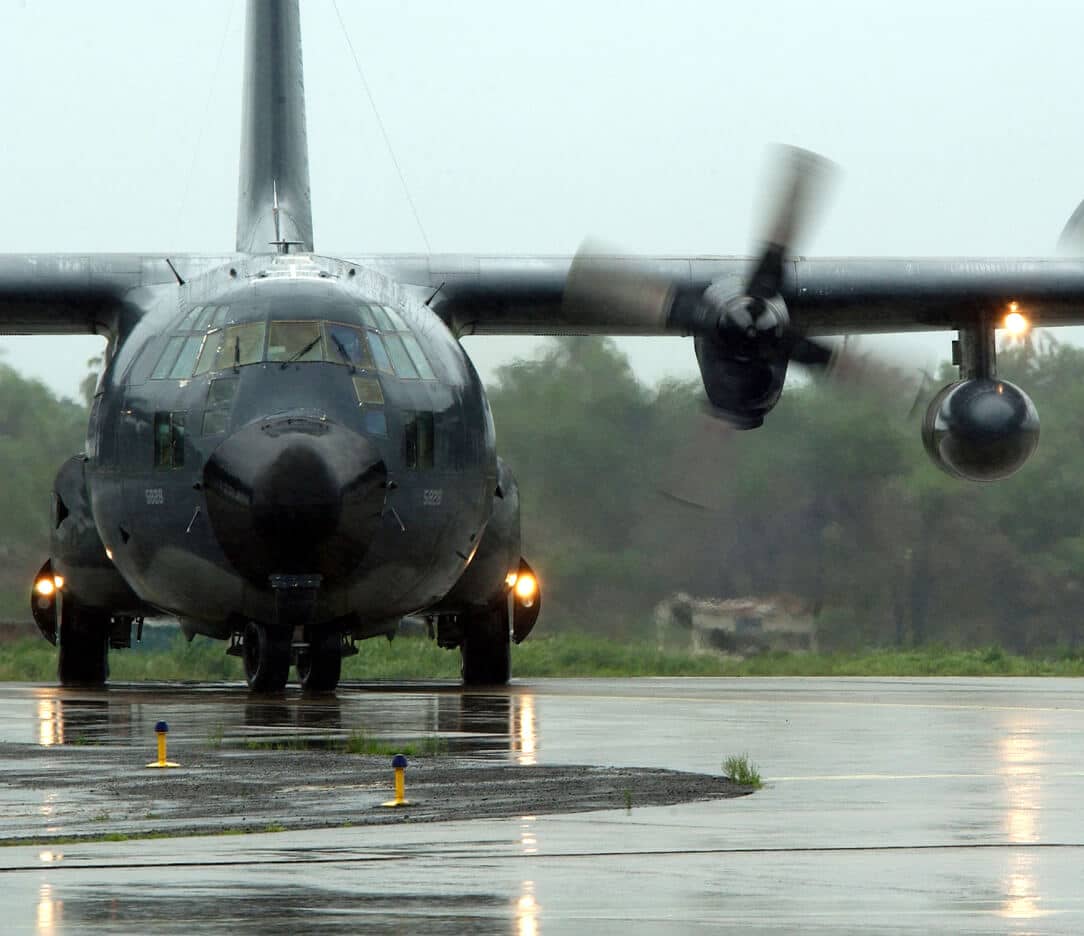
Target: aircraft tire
{"points": [[486, 651], [320, 667], [84, 645], [266, 656]]}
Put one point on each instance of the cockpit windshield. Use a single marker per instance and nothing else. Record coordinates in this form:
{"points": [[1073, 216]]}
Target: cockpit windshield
{"points": [[381, 341]]}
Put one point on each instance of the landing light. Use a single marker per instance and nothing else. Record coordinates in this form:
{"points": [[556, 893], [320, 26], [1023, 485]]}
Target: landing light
{"points": [[526, 589], [58, 581], [45, 587], [511, 578], [108, 553], [1016, 323]]}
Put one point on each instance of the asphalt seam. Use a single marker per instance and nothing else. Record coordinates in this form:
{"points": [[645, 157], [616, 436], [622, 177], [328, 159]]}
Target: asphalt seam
{"points": [[491, 856]]}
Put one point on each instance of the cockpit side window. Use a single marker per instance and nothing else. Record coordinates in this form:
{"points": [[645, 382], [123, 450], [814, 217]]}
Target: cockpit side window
{"points": [[182, 368], [397, 323], [216, 412], [380, 353], [366, 313], [168, 358], [414, 349], [371, 401], [404, 367], [205, 319], [188, 323], [383, 321]]}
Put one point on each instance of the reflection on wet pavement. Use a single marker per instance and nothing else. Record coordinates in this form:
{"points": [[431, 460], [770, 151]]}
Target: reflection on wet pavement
{"points": [[891, 806], [498, 727]]}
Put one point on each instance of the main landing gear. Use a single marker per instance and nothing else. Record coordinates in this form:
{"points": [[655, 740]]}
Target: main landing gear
{"points": [[320, 664], [485, 635], [84, 645], [83, 633], [486, 650]]}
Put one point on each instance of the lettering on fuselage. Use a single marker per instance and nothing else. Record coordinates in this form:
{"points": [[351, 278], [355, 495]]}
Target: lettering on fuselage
{"points": [[432, 497], [155, 497]]}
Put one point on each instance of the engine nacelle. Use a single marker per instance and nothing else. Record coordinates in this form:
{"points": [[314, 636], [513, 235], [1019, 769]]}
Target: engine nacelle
{"points": [[742, 390], [981, 430]]}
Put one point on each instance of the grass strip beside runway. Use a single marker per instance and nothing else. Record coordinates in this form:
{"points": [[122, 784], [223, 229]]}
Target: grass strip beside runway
{"points": [[34, 660]]}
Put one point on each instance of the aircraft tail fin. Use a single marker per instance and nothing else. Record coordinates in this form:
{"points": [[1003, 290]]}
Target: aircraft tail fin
{"points": [[274, 208]]}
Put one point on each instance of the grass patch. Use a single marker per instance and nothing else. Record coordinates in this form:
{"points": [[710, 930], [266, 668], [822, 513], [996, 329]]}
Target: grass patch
{"points": [[567, 654], [358, 742], [277, 744], [361, 743], [739, 769]]}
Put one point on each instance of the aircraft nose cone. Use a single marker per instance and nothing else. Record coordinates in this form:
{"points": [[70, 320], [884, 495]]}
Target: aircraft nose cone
{"points": [[295, 494]]}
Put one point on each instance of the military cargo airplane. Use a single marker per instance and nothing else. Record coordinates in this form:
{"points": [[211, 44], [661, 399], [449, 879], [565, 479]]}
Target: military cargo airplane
{"points": [[291, 452]]}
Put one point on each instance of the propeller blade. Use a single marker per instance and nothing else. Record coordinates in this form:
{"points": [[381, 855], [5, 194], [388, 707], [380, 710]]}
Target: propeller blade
{"points": [[1071, 241], [818, 355], [605, 288], [802, 182]]}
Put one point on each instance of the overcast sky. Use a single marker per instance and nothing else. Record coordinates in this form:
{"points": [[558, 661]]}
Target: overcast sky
{"points": [[523, 127]]}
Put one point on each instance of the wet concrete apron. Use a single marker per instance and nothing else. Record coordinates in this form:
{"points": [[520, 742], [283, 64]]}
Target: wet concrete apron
{"points": [[891, 805]]}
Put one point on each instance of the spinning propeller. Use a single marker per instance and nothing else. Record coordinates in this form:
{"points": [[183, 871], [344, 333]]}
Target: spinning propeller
{"points": [[747, 321]]}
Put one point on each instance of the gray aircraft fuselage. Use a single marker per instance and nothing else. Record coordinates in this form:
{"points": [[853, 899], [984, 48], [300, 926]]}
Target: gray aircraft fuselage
{"points": [[208, 471]]}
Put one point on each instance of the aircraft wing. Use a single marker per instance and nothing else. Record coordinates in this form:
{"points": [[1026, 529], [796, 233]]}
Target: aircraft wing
{"points": [[501, 295], [71, 294]]}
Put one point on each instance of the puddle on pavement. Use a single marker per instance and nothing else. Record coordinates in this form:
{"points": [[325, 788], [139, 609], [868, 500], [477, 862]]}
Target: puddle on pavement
{"points": [[64, 908], [502, 727]]}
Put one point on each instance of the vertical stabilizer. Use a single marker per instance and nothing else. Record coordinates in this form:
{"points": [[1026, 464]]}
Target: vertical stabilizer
{"points": [[273, 206]]}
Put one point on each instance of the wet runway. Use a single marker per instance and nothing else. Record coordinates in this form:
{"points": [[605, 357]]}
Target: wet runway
{"points": [[890, 805]]}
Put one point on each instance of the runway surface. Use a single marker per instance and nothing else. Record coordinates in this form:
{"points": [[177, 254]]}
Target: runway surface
{"points": [[891, 805]]}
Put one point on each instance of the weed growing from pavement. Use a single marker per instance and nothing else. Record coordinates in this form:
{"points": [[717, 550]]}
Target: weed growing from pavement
{"points": [[358, 742], [739, 769], [277, 744], [215, 736], [361, 743]]}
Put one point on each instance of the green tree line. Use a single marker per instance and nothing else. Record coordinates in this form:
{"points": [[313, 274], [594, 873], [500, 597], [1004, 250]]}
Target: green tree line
{"points": [[633, 493]]}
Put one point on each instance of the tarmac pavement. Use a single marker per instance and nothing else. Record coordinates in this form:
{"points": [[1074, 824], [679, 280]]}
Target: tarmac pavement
{"points": [[890, 805]]}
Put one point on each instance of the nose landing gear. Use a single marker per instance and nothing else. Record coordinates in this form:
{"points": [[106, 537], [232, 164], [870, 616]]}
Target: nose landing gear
{"points": [[320, 664], [265, 651]]}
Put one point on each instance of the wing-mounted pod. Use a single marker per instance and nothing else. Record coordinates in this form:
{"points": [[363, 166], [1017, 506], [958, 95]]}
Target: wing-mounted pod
{"points": [[77, 555], [980, 427]]}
